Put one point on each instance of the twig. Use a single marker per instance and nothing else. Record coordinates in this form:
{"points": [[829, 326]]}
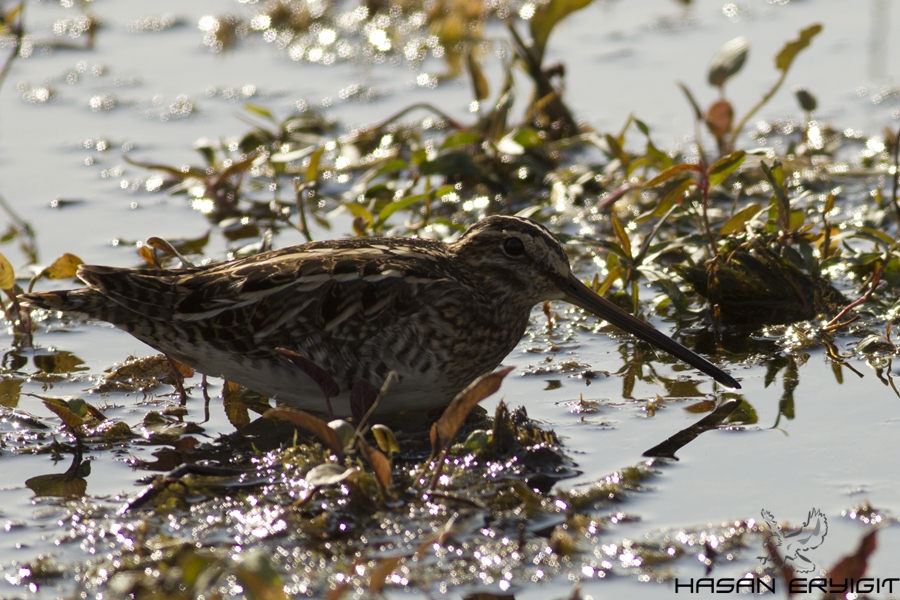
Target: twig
{"points": [[17, 44], [834, 323], [896, 152]]}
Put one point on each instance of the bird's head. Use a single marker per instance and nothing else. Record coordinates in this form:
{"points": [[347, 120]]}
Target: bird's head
{"points": [[518, 260], [520, 263]]}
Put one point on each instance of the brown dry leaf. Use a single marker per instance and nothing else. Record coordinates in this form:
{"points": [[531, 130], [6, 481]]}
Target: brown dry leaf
{"points": [[448, 425], [380, 465], [186, 444], [149, 256], [182, 368], [719, 118], [381, 572], [313, 424], [235, 408], [854, 566], [362, 396]]}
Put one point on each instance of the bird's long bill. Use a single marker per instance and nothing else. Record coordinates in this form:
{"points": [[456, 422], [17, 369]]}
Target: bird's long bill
{"points": [[582, 296]]}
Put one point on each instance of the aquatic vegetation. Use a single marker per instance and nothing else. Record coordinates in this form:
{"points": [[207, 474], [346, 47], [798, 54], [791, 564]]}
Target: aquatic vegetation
{"points": [[757, 254]]}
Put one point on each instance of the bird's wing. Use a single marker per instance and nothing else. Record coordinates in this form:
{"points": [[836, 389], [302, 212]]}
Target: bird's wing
{"points": [[814, 530], [801, 564], [773, 526]]}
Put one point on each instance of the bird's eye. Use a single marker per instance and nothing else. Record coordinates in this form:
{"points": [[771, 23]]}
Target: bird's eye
{"points": [[513, 246]]}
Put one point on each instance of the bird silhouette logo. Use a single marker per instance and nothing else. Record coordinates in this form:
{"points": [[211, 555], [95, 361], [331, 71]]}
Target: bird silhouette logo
{"points": [[792, 546]]}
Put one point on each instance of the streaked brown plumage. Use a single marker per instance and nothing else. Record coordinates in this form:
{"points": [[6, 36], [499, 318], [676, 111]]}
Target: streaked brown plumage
{"points": [[438, 314]]}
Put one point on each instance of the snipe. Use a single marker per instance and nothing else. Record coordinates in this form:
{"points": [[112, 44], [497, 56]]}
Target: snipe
{"points": [[437, 314]]}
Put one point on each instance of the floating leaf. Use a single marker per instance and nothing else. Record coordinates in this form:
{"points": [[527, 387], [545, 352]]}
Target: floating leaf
{"points": [[258, 578], [235, 408], [788, 53], [67, 410], [60, 485], [312, 424], [728, 61], [328, 474]]}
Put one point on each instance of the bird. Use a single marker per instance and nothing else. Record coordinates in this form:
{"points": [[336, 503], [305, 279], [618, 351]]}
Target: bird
{"points": [[436, 314], [808, 537]]}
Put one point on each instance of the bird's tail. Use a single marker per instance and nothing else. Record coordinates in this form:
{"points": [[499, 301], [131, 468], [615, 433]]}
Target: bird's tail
{"points": [[84, 301]]}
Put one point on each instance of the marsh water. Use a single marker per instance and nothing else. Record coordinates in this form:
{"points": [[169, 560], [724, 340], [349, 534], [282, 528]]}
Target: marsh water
{"points": [[68, 116]]}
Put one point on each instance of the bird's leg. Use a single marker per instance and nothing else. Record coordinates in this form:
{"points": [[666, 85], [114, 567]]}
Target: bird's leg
{"points": [[320, 376], [179, 379]]}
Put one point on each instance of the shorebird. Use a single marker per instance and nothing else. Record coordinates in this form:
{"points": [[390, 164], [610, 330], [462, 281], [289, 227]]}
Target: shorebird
{"points": [[437, 314]]}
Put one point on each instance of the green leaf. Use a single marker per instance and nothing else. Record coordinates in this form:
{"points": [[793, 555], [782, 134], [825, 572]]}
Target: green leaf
{"points": [[670, 173], [460, 138], [527, 137], [64, 267], [385, 439], [392, 166], [260, 111], [547, 16], [805, 99], [312, 169], [7, 274], [358, 210], [789, 52], [797, 219], [739, 219], [728, 61], [725, 166], [676, 194], [393, 207], [698, 113], [479, 81], [621, 235], [450, 163]]}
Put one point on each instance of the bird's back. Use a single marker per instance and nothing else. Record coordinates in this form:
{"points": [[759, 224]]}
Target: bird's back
{"points": [[358, 309]]}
